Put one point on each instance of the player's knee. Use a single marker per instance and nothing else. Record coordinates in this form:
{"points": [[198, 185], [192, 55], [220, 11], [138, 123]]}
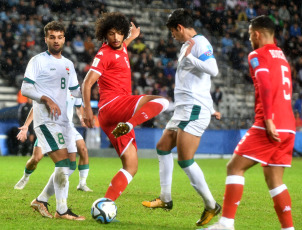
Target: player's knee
{"points": [[83, 152], [163, 101]]}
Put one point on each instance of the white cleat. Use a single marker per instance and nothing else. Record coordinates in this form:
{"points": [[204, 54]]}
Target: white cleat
{"points": [[217, 226], [21, 183], [84, 188]]}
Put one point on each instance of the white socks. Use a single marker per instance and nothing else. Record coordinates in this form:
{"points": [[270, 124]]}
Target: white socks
{"points": [[199, 183], [166, 165]]}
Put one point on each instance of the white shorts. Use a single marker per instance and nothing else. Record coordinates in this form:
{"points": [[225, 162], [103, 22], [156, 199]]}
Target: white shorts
{"points": [[52, 137], [196, 127], [77, 135]]}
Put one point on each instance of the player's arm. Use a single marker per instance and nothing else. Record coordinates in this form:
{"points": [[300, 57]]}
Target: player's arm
{"points": [[266, 97], [209, 65], [29, 90], [90, 78], [22, 135], [134, 32], [80, 111]]}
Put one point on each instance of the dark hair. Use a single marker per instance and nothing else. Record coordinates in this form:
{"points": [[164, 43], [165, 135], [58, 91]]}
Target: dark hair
{"points": [[263, 23], [180, 16], [55, 26], [108, 21]]}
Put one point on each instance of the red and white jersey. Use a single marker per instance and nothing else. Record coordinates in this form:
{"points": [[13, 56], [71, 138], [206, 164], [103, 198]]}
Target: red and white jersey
{"points": [[115, 73], [271, 59]]}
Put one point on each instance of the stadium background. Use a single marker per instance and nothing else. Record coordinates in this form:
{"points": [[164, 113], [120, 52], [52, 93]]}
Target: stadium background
{"points": [[153, 56]]}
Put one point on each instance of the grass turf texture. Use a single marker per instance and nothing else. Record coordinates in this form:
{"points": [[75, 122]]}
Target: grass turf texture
{"points": [[255, 211]]}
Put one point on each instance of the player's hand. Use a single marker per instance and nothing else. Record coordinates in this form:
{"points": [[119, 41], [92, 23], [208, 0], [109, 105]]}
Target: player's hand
{"points": [[88, 117], [191, 44], [22, 135], [53, 108], [217, 115], [134, 31], [83, 122], [271, 130]]}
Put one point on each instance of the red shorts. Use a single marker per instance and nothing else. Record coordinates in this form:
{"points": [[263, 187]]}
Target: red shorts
{"points": [[256, 145], [120, 109]]}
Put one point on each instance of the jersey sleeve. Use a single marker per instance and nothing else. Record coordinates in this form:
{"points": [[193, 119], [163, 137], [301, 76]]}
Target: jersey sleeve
{"points": [[202, 49], [100, 63], [32, 71], [78, 102], [73, 79]]}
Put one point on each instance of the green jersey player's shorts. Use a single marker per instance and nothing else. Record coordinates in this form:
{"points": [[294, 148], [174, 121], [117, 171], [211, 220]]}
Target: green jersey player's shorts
{"points": [[190, 119], [52, 137]]}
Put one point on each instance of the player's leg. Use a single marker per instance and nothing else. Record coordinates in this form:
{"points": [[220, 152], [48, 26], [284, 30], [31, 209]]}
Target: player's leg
{"points": [[148, 107], [83, 165], [187, 145], [124, 176], [30, 166], [52, 140], [233, 190], [164, 146], [280, 195], [73, 163]]}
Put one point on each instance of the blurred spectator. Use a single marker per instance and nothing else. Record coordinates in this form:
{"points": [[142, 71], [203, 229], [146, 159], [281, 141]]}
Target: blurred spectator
{"points": [[45, 13], [250, 11], [230, 4], [295, 30], [26, 148], [169, 69], [243, 4], [298, 121], [226, 43], [171, 49], [138, 46], [88, 44], [284, 13], [262, 9], [298, 105], [217, 96], [20, 98], [78, 46], [161, 47]]}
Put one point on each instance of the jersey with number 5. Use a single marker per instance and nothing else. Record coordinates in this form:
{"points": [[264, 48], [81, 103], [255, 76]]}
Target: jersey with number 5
{"points": [[52, 77], [271, 59], [115, 73]]}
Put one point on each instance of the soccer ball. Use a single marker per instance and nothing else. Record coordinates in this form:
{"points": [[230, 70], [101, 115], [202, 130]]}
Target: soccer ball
{"points": [[103, 210]]}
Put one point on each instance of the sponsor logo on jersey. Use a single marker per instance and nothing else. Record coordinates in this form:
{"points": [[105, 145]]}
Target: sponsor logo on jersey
{"points": [[100, 53], [52, 69], [95, 62], [117, 56], [254, 62]]}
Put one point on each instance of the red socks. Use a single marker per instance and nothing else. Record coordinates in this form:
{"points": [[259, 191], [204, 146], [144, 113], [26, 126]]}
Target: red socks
{"points": [[282, 205], [232, 196], [118, 184], [146, 112]]}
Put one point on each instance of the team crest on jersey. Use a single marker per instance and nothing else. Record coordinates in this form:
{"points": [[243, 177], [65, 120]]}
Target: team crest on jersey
{"points": [[95, 62], [67, 69], [254, 62]]}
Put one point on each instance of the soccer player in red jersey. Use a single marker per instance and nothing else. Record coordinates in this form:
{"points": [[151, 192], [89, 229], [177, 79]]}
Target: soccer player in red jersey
{"points": [[119, 111], [270, 140]]}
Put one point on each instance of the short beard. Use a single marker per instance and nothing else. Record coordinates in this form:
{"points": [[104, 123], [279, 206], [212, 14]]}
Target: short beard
{"points": [[55, 52], [115, 48]]}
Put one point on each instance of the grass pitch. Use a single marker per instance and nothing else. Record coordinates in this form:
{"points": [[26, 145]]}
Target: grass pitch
{"points": [[255, 211]]}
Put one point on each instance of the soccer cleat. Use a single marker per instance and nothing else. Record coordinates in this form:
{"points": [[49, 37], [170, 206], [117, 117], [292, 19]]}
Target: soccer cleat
{"points": [[217, 226], [84, 188], [41, 207], [207, 215], [68, 215], [121, 129], [21, 183], [158, 203]]}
